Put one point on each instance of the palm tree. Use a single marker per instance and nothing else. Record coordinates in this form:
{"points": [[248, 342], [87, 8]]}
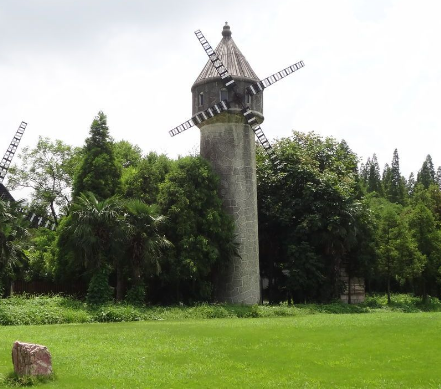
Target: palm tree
{"points": [[144, 243], [13, 235], [95, 228]]}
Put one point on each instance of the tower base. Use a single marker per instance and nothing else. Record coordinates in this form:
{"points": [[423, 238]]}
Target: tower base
{"points": [[231, 150]]}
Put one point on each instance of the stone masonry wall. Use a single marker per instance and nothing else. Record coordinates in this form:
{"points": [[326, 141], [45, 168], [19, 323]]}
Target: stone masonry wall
{"points": [[230, 147]]}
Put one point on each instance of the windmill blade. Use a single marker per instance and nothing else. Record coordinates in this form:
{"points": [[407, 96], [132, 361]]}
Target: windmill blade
{"points": [[259, 86], [252, 121], [230, 84], [214, 110], [7, 158], [217, 63]]}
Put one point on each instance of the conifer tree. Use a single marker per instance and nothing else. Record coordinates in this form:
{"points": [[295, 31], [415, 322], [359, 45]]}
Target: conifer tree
{"points": [[386, 179], [438, 177], [374, 177], [410, 185], [98, 172], [363, 171], [395, 185], [426, 175]]}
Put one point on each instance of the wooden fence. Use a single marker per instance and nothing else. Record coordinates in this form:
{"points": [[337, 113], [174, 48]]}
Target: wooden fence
{"points": [[46, 287]]}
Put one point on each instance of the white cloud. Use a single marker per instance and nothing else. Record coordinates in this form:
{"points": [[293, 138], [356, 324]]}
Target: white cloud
{"points": [[371, 74]]}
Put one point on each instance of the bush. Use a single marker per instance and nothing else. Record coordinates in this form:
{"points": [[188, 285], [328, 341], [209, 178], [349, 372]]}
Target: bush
{"points": [[136, 294], [99, 291]]}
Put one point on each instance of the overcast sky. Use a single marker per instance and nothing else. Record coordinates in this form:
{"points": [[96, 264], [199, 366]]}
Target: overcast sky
{"points": [[372, 74]]}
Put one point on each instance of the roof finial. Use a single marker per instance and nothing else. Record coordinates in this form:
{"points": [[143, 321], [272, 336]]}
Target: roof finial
{"points": [[226, 32]]}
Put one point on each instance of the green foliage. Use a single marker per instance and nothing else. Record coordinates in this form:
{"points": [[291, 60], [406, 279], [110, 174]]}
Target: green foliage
{"points": [[126, 154], [317, 215], [98, 172], [395, 185], [371, 176], [99, 291], [143, 181], [308, 215], [38, 310], [144, 244], [397, 251], [201, 233], [41, 255], [13, 238], [428, 240], [136, 294], [92, 231], [27, 310], [48, 170], [426, 175], [15, 381]]}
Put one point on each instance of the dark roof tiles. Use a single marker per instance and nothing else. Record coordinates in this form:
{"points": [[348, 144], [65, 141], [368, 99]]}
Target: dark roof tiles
{"points": [[231, 57]]}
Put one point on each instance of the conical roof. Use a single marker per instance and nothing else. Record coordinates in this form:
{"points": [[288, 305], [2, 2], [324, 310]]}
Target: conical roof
{"points": [[231, 57]]}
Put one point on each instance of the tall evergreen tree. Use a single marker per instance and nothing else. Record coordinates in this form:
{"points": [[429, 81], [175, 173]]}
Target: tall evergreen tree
{"points": [[386, 178], [410, 185], [438, 177], [426, 175], [98, 172], [374, 177], [396, 186]]}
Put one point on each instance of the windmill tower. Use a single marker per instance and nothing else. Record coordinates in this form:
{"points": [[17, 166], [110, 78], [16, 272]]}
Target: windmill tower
{"points": [[227, 141]]}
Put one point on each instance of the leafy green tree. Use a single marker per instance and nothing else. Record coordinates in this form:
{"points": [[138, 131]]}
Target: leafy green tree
{"points": [[13, 236], [426, 175], [41, 255], [143, 181], [397, 252], [98, 172], [47, 169], [428, 238], [430, 197], [126, 154], [201, 232], [307, 216]]}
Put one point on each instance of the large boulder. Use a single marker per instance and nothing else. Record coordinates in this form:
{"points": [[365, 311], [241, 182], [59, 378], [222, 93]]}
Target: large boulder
{"points": [[31, 359]]}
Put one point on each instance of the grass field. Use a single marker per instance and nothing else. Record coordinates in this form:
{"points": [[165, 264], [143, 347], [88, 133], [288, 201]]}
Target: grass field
{"points": [[377, 350]]}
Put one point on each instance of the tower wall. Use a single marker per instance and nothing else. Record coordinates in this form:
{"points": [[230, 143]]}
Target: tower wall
{"points": [[231, 149]]}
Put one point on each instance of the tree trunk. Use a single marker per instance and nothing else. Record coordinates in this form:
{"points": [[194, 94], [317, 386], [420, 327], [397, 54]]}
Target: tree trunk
{"points": [[349, 289], [54, 214]]}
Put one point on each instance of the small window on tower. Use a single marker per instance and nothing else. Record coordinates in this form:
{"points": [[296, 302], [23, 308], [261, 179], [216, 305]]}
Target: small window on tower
{"points": [[247, 98], [201, 99], [223, 94]]}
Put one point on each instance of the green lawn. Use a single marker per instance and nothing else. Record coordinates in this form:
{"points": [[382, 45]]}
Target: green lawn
{"points": [[378, 350]]}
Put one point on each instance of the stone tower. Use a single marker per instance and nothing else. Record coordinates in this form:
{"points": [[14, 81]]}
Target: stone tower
{"points": [[229, 144]]}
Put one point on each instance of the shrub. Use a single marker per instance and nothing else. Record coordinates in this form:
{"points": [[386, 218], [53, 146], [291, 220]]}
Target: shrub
{"points": [[136, 294], [99, 291]]}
